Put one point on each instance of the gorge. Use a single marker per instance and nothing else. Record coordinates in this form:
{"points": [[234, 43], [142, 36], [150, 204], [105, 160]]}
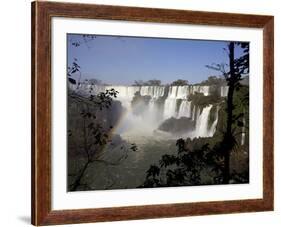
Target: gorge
{"points": [[149, 119]]}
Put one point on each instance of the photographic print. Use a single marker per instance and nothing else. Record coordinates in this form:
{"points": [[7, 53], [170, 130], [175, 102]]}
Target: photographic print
{"points": [[146, 112]]}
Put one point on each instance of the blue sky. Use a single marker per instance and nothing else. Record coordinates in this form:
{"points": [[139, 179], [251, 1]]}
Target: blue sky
{"points": [[122, 60]]}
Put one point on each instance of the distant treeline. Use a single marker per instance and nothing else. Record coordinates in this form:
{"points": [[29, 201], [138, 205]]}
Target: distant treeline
{"points": [[212, 80]]}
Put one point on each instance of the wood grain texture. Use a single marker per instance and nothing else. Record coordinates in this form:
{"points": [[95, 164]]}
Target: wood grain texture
{"points": [[41, 115], [268, 113], [42, 12]]}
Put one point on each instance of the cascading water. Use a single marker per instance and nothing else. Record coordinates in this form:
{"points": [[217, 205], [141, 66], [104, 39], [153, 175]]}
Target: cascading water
{"points": [[152, 91], [185, 109], [201, 129], [193, 113], [224, 91], [212, 129], [155, 92], [176, 104], [243, 134], [171, 103], [170, 106]]}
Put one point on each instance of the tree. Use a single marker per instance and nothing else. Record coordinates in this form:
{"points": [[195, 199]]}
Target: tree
{"points": [[214, 80], [153, 82], [191, 161], [184, 168], [138, 83], [94, 81], [179, 82], [233, 76], [93, 132], [72, 71]]}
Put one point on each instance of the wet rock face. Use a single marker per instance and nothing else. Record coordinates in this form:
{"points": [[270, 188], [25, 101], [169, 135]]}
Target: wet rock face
{"points": [[174, 125]]}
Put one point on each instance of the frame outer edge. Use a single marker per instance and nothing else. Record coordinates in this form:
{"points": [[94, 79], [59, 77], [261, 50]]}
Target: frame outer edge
{"points": [[41, 114], [33, 104], [268, 118], [41, 117]]}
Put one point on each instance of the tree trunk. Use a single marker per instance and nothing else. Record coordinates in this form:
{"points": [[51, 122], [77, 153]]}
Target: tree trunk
{"points": [[228, 140]]}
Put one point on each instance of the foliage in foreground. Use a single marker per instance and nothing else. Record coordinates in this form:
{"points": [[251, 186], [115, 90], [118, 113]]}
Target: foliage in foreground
{"points": [[197, 162]]}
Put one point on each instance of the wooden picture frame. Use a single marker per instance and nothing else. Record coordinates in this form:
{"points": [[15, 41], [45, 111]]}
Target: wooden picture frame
{"points": [[42, 13]]}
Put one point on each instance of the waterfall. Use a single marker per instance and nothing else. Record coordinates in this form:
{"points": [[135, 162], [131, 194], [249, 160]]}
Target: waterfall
{"points": [[224, 91], [182, 92], [185, 109], [175, 104], [212, 129], [152, 91], [171, 102], [201, 128], [193, 113], [170, 107]]}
